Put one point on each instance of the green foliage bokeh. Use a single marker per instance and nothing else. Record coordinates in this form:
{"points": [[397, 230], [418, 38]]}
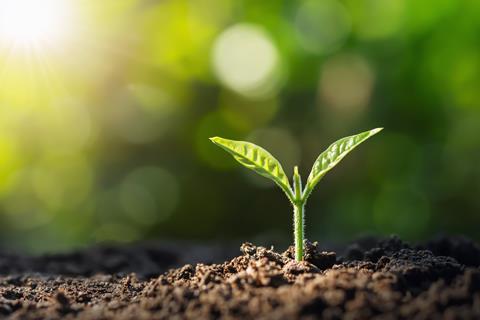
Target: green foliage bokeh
{"points": [[106, 137]]}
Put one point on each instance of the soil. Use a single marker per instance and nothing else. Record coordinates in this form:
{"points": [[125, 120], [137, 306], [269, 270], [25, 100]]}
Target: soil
{"points": [[372, 279]]}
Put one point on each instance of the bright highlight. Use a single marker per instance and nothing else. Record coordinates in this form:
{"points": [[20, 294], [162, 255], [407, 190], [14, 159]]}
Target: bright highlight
{"points": [[33, 23]]}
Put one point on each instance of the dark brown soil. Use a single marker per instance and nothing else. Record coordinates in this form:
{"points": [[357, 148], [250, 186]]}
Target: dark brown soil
{"points": [[385, 279]]}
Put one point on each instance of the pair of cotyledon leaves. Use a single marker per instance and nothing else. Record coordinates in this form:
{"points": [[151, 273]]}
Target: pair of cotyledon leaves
{"points": [[262, 162]]}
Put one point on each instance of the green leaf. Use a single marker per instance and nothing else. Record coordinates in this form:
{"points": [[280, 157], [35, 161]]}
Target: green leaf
{"points": [[257, 159], [333, 155]]}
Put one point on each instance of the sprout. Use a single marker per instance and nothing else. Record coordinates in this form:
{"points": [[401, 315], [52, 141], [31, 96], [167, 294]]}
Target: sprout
{"points": [[262, 162]]}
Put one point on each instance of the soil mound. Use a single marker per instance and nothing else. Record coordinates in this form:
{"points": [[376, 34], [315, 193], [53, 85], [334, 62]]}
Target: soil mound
{"points": [[386, 279]]}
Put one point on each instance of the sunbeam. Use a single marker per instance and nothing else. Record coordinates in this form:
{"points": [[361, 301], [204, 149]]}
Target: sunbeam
{"points": [[33, 24]]}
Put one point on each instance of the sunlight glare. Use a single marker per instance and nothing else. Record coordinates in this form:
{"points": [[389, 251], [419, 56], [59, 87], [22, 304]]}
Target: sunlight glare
{"points": [[33, 23]]}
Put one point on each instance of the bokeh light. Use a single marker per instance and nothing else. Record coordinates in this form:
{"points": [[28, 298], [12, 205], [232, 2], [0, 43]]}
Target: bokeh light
{"points": [[142, 115], [322, 26], [346, 84], [244, 114], [149, 195], [377, 19], [56, 180], [246, 60]]}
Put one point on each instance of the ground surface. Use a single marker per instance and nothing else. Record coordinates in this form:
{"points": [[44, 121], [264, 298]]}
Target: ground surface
{"points": [[386, 279]]}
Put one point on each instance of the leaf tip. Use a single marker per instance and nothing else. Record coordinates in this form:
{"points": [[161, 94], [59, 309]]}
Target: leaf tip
{"points": [[214, 139], [295, 170], [377, 130]]}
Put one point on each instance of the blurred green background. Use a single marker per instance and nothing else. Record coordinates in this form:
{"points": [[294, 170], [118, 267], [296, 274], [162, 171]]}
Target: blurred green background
{"points": [[106, 107]]}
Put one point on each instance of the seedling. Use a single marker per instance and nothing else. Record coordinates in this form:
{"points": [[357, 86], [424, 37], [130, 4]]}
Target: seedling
{"points": [[261, 161]]}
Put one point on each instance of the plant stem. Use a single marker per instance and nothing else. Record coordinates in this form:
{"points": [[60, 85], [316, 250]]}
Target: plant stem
{"points": [[298, 210]]}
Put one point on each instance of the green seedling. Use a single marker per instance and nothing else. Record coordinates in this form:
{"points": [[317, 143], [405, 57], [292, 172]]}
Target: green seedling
{"points": [[261, 161]]}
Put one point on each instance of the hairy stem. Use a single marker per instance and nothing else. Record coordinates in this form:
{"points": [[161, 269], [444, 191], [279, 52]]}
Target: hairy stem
{"points": [[298, 227], [298, 215]]}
